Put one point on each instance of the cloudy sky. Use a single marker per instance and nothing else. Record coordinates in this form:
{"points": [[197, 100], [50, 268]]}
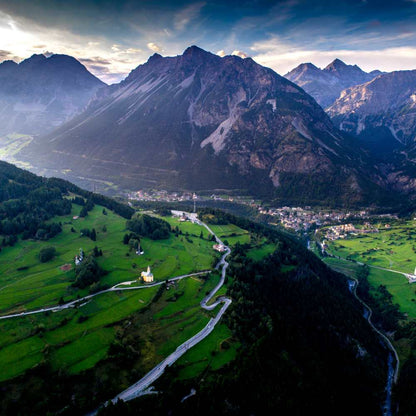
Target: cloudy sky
{"points": [[112, 37]]}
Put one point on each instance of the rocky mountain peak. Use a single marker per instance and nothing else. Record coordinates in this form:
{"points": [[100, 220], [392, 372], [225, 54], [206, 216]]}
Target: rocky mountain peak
{"points": [[385, 105], [33, 60], [199, 121], [342, 70], [308, 65], [303, 70], [8, 63], [154, 57], [326, 85], [336, 65], [195, 50], [7, 67], [196, 55], [63, 60], [42, 92]]}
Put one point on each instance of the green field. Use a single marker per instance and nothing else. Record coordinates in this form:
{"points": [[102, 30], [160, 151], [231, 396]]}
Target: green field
{"points": [[231, 233], [213, 352], [404, 294], [73, 344], [392, 248], [79, 339], [42, 284], [257, 253]]}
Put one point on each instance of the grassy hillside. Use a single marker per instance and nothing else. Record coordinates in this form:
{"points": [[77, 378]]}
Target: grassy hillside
{"points": [[391, 248], [87, 338], [26, 283]]}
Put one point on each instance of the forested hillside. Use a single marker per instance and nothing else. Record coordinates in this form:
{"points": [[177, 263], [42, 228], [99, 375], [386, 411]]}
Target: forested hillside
{"points": [[304, 344], [28, 201], [294, 339]]}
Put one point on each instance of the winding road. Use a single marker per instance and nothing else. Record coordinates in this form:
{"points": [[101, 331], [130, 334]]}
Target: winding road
{"points": [[82, 301], [143, 385]]}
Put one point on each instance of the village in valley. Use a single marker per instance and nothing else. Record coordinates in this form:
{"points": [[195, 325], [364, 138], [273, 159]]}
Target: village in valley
{"points": [[298, 219]]}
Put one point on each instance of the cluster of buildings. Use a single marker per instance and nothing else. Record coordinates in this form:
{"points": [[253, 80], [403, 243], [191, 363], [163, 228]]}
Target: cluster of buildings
{"points": [[161, 195], [341, 231], [185, 216], [167, 196], [302, 219], [219, 247]]}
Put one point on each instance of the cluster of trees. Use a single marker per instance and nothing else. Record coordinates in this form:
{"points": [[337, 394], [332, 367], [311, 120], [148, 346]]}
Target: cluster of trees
{"points": [[219, 218], [148, 226], [97, 252], [88, 272], [46, 254], [86, 232], [89, 205], [132, 239], [28, 213], [112, 204], [28, 202]]}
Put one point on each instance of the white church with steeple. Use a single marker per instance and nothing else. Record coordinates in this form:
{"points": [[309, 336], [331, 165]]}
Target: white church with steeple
{"points": [[147, 276]]}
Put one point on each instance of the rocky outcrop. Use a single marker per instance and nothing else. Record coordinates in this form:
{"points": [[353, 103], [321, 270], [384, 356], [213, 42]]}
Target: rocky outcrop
{"points": [[384, 106]]}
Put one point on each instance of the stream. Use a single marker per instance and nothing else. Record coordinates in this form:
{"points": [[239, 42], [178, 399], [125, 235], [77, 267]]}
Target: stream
{"points": [[389, 385]]}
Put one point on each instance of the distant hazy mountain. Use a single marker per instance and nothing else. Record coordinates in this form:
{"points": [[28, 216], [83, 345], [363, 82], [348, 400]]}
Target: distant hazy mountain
{"points": [[41, 93], [383, 107], [325, 85], [198, 121]]}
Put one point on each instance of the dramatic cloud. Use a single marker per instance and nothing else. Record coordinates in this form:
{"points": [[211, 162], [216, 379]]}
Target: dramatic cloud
{"points": [[277, 33], [240, 54], [154, 47]]}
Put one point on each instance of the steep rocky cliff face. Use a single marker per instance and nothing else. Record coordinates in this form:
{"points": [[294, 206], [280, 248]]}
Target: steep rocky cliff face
{"points": [[386, 105], [382, 115], [198, 121], [41, 93], [325, 85]]}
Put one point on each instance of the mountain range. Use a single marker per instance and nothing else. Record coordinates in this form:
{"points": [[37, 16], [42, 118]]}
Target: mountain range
{"points": [[381, 109], [201, 122], [325, 85], [42, 92]]}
